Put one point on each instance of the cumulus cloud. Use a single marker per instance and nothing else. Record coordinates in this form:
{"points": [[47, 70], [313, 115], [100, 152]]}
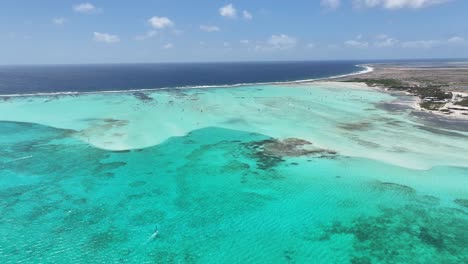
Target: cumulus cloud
{"points": [[228, 11], [168, 46], [177, 32], [59, 21], [356, 44], [247, 15], [147, 35], [160, 22], [384, 41], [397, 4], [273, 43], [330, 4], [456, 40], [209, 28], [425, 44], [106, 38], [87, 8], [281, 41]]}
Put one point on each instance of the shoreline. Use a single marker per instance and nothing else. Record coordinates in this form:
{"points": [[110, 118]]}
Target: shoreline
{"points": [[440, 91], [378, 73], [366, 69]]}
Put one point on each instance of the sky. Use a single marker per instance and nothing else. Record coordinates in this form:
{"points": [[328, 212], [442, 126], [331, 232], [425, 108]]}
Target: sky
{"points": [[122, 31]]}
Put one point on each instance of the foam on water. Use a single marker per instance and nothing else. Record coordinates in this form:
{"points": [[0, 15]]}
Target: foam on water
{"points": [[263, 174]]}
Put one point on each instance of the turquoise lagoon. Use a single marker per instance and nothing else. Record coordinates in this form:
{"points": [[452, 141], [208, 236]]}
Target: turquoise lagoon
{"points": [[304, 173]]}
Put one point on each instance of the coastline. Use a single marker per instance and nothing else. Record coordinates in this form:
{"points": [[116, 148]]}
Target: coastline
{"points": [[440, 91], [358, 78], [376, 72], [366, 69]]}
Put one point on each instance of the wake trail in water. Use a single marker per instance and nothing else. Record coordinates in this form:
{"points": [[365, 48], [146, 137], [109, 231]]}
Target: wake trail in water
{"points": [[18, 159], [141, 246]]}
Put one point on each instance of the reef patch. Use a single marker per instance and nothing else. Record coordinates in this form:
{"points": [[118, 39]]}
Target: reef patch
{"points": [[289, 147], [359, 126], [270, 152], [393, 235], [142, 97], [393, 187], [462, 202]]}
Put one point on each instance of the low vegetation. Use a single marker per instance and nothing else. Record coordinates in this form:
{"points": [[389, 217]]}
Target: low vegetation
{"points": [[431, 91], [433, 95], [431, 105], [463, 102]]}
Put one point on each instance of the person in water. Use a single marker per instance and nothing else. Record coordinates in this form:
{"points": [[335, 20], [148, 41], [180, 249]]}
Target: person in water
{"points": [[155, 232]]}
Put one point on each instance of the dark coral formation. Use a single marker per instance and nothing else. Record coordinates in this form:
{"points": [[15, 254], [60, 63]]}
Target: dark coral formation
{"points": [[270, 152], [111, 165], [102, 240], [393, 187], [442, 132], [143, 97], [364, 142], [358, 126], [462, 202], [290, 147], [401, 234], [105, 124]]}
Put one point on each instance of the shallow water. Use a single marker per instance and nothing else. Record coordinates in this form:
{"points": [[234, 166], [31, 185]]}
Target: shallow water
{"points": [[265, 174]]}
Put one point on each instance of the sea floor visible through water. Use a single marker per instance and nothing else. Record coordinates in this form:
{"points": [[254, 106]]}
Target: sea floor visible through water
{"points": [[305, 173]]}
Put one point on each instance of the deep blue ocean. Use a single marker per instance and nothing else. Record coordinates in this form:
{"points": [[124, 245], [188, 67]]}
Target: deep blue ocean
{"points": [[111, 77]]}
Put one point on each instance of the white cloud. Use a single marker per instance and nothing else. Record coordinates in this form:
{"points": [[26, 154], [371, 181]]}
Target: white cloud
{"points": [[425, 44], [281, 41], [227, 44], [244, 42], [428, 44], [397, 4], [356, 44], [160, 22], [456, 40], [59, 21], [310, 45], [87, 8], [330, 4], [15, 36], [274, 43], [106, 38], [228, 11], [147, 35], [384, 41], [177, 32], [209, 28], [247, 15], [168, 46]]}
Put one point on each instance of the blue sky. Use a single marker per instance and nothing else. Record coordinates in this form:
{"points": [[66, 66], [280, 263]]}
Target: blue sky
{"points": [[113, 31]]}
